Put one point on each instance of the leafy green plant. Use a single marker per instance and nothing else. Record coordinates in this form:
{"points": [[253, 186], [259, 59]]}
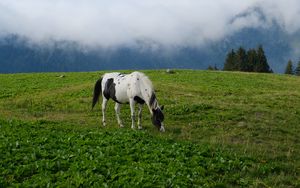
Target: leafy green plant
{"points": [[223, 129]]}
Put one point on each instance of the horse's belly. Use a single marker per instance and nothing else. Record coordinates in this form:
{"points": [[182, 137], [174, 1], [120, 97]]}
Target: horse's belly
{"points": [[122, 99], [121, 95]]}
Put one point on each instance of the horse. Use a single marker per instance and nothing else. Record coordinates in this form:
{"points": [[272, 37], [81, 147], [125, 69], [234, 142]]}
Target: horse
{"points": [[129, 88]]}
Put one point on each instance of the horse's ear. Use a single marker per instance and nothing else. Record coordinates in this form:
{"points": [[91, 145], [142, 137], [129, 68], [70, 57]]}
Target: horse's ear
{"points": [[162, 107]]}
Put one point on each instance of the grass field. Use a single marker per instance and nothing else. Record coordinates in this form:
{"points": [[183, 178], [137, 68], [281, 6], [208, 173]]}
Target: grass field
{"points": [[223, 129]]}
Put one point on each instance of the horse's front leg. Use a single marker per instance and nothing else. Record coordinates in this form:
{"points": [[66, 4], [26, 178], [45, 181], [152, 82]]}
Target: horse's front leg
{"points": [[132, 104], [117, 109], [140, 116], [104, 103]]}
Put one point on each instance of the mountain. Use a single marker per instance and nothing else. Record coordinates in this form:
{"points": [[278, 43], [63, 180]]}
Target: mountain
{"points": [[18, 54]]}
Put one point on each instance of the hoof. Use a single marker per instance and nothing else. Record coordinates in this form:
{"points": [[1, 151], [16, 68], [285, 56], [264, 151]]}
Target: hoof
{"points": [[121, 126], [140, 127]]}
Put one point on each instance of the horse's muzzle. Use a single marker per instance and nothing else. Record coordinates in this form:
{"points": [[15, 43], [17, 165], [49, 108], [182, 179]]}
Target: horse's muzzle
{"points": [[162, 128]]}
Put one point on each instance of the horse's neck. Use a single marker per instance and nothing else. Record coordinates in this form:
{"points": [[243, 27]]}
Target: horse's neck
{"points": [[149, 97], [152, 102], [148, 92]]}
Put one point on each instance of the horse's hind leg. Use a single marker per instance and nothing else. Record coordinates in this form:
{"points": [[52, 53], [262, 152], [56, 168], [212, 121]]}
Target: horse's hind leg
{"points": [[140, 116], [117, 109], [104, 103]]}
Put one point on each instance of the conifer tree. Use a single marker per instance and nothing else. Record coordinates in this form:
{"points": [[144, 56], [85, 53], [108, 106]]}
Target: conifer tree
{"points": [[289, 68], [230, 61], [251, 60], [262, 63], [297, 70], [241, 59]]}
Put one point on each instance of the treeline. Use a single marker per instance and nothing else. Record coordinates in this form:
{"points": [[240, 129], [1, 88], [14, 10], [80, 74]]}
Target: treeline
{"points": [[253, 60], [290, 68]]}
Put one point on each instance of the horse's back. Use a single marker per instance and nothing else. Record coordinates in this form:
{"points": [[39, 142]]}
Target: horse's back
{"points": [[122, 87], [107, 76], [118, 74], [115, 86]]}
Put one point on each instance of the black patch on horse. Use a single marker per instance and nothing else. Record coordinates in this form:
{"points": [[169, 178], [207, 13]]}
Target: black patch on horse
{"points": [[157, 117], [139, 100], [110, 90], [152, 99]]}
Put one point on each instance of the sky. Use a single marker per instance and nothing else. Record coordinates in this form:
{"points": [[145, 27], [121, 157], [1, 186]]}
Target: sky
{"points": [[112, 23]]}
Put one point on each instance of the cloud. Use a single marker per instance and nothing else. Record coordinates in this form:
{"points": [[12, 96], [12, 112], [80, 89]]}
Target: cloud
{"points": [[285, 13], [111, 23]]}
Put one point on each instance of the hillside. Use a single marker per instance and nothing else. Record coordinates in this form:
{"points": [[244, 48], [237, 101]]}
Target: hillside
{"points": [[18, 54], [225, 129]]}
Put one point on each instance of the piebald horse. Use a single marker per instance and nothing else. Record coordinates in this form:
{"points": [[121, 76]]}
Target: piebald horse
{"points": [[129, 88]]}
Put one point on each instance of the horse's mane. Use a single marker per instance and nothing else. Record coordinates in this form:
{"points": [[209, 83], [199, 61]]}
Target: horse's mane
{"points": [[147, 87]]}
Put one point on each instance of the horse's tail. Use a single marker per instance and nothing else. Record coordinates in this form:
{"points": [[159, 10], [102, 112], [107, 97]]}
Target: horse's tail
{"points": [[97, 91]]}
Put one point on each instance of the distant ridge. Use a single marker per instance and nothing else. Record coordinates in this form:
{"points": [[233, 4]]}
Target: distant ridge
{"points": [[17, 54]]}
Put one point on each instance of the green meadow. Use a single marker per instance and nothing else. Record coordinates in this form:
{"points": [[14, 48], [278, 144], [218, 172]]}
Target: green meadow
{"points": [[223, 129]]}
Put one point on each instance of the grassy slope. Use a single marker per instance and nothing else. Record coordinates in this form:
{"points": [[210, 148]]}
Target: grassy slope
{"points": [[234, 128]]}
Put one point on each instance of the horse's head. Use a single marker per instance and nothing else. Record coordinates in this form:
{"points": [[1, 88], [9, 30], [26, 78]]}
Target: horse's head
{"points": [[158, 118]]}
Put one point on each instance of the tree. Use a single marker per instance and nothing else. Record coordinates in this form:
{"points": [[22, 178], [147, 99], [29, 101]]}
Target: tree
{"points": [[251, 60], [289, 68], [297, 70], [262, 62], [248, 61], [230, 62], [241, 59]]}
